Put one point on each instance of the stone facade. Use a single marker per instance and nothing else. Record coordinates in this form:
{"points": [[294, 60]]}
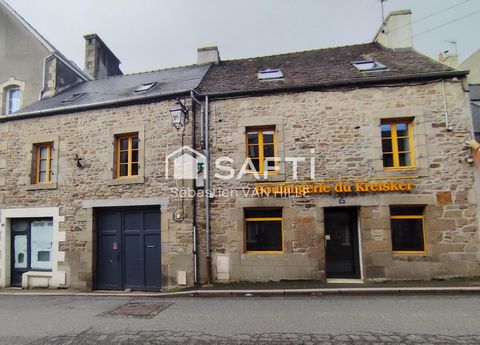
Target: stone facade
{"points": [[342, 127], [77, 192]]}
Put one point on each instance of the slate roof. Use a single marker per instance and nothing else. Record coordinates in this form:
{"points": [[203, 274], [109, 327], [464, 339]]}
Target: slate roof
{"points": [[121, 89], [328, 65]]}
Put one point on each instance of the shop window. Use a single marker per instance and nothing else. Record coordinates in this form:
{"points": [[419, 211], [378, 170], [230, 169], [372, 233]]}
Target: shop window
{"points": [[408, 231], [397, 144], [264, 230], [32, 244], [43, 163], [127, 155], [261, 144]]}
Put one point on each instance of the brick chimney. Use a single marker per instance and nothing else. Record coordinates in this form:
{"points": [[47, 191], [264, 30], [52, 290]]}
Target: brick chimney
{"points": [[396, 30], [100, 62], [208, 55]]}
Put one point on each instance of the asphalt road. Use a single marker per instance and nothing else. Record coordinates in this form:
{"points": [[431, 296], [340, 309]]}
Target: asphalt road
{"points": [[435, 319]]}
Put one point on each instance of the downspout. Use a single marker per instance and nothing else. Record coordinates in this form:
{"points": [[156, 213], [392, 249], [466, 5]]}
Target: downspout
{"points": [[207, 193], [194, 200], [447, 124]]}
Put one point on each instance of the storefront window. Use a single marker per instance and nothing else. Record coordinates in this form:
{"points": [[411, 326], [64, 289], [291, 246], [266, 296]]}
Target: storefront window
{"points": [[408, 233], [32, 244], [264, 230]]}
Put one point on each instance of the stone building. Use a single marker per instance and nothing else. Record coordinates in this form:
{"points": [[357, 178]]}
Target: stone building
{"points": [[392, 193], [345, 162]]}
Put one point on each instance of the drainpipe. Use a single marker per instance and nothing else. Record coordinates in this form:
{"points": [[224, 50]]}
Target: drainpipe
{"points": [[447, 124], [207, 196], [194, 200]]}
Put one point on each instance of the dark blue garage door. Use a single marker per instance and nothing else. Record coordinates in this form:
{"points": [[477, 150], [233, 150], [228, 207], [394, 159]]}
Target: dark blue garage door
{"points": [[128, 250]]}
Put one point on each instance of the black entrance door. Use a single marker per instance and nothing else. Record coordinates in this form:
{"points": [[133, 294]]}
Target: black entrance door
{"points": [[341, 241], [128, 250]]}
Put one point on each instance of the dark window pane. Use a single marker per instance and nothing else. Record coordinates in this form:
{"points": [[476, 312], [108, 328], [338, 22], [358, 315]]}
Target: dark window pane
{"points": [[135, 143], [402, 129], [404, 159], [407, 235], [124, 144], [270, 163], [252, 137], [268, 137], [387, 145], [406, 211], [253, 151], [124, 170], [124, 157], [388, 160], [135, 156], [19, 225], [263, 213], [264, 236], [386, 130], [256, 164], [135, 169], [403, 144], [268, 151]]}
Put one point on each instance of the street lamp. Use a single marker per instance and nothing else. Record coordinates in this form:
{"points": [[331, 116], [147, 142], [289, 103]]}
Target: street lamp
{"points": [[179, 114]]}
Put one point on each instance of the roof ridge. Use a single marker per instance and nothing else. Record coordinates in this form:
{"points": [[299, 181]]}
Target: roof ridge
{"points": [[161, 69], [301, 51]]}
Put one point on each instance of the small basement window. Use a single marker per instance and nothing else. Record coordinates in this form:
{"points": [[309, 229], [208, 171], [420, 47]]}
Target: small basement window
{"points": [[145, 87], [369, 65], [73, 97], [264, 232], [270, 74]]}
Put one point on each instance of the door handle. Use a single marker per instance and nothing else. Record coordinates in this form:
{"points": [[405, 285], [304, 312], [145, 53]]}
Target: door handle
{"points": [[150, 246]]}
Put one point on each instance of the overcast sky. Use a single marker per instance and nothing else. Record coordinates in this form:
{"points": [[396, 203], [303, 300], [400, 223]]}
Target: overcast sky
{"points": [[153, 34]]}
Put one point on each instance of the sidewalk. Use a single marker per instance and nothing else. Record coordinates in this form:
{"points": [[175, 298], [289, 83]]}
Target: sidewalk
{"points": [[283, 288]]}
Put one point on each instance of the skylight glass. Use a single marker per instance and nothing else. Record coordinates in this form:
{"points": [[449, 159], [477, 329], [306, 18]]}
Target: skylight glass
{"points": [[270, 74], [145, 87], [73, 97], [369, 65]]}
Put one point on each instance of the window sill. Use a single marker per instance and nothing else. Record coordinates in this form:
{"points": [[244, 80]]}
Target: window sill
{"points": [[122, 181], [42, 186]]}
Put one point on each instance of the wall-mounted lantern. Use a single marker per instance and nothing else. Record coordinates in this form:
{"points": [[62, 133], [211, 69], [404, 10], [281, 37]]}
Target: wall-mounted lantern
{"points": [[179, 114]]}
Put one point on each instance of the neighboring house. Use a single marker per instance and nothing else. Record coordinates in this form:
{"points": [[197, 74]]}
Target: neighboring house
{"points": [[31, 67], [83, 175], [472, 63]]}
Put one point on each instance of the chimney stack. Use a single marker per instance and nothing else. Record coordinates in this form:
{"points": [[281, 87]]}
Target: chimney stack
{"points": [[396, 30], [100, 62], [208, 55]]}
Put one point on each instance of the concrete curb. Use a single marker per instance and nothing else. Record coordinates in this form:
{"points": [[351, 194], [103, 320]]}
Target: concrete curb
{"points": [[264, 292]]}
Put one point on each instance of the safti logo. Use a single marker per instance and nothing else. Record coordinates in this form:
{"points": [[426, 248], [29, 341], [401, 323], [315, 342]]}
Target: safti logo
{"points": [[187, 163]]}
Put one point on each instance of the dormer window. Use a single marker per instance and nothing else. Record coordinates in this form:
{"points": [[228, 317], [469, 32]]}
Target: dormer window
{"points": [[369, 65], [145, 87], [73, 97], [270, 74]]}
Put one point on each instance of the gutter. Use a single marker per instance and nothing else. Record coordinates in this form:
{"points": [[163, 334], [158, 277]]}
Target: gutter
{"points": [[341, 83]]}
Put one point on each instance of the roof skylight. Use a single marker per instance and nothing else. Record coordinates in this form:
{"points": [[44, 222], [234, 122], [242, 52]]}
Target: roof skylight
{"points": [[270, 74], [369, 65], [145, 87], [73, 97]]}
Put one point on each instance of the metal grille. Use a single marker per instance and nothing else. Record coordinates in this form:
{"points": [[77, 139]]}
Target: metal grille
{"points": [[144, 310]]}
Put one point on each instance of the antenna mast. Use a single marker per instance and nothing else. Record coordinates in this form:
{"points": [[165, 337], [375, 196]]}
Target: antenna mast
{"points": [[382, 2]]}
